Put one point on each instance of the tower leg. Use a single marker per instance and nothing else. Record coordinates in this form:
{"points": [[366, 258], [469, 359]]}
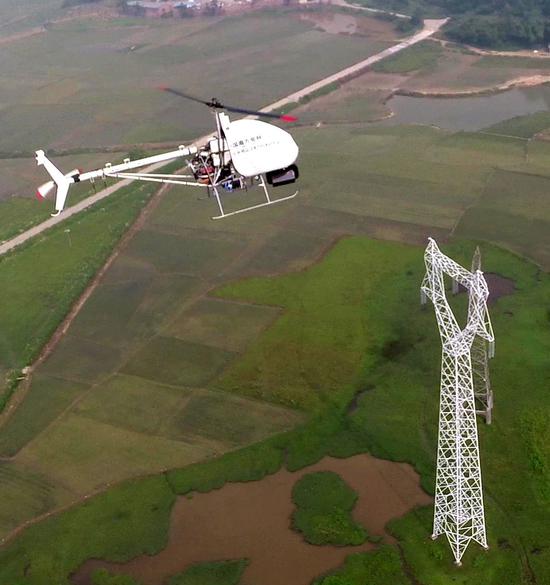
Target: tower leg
{"points": [[458, 511]]}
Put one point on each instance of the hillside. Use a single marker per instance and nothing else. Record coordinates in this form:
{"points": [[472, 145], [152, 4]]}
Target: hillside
{"points": [[489, 23], [499, 23]]}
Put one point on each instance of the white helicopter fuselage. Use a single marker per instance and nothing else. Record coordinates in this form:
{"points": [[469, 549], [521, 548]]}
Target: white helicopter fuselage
{"points": [[244, 149], [257, 147]]}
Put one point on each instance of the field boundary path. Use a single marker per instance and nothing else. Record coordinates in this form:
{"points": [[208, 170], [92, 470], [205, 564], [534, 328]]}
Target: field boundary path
{"points": [[430, 27], [345, 4]]}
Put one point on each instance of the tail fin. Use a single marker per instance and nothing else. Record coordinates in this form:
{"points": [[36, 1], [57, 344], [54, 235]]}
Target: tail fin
{"points": [[62, 181]]}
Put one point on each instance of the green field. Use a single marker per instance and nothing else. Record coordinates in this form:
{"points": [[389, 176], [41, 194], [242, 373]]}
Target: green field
{"points": [[38, 294], [324, 503], [222, 351], [423, 56], [382, 567], [152, 340], [523, 126], [20, 15], [402, 395], [85, 88], [432, 67]]}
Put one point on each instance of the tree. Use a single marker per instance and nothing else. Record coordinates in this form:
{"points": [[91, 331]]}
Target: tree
{"points": [[417, 19]]}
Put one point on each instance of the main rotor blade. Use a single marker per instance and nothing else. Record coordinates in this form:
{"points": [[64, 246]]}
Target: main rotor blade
{"points": [[214, 103], [284, 117], [184, 95]]}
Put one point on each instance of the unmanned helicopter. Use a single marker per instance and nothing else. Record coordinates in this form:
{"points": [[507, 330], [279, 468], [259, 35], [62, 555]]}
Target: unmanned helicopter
{"points": [[240, 155]]}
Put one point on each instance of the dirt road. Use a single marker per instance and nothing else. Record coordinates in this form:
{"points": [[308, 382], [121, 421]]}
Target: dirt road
{"points": [[430, 27], [345, 4]]}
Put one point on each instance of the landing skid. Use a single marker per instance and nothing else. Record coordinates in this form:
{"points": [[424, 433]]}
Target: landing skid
{"points": [[268, 202], [213, 188]]}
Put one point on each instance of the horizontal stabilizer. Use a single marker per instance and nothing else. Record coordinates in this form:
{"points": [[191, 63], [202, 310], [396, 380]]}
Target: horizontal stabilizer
{"points": [[44, 190], [62, 181]]}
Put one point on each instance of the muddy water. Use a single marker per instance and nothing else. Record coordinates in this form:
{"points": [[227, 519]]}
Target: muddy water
{"points": [[252, 520], [468, 113]]}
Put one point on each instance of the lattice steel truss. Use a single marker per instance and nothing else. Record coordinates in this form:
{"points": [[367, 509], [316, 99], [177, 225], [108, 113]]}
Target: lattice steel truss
{"points": [[481, 352], [458, 509]]}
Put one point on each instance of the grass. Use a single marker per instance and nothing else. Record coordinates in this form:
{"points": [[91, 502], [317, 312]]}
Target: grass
{"points": [[154, 409], [350, 103], [177, 362], [380, 567], [324, 503], [192, 256], [317, 344], [496, 61], [422, 56], [404, 7], [216, 573], [18, 16], [518, 222], [108, 455], [102, 527], [519, 322], [26, 493], [341, 320], [522, 126], [400, 395], [38, 294], [212, 323], [231, 420], [82, 361], [134, 404], [255, 58], [103, 577], [249, 464], [46, 400], [383, 180]]}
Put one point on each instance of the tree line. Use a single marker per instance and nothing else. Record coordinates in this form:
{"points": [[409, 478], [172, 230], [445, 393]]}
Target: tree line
{"points": [[494, 23], [487, 23]]}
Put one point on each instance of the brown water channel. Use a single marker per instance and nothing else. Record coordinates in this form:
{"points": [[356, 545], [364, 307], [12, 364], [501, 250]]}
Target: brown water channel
{"points": [[252, 520]]}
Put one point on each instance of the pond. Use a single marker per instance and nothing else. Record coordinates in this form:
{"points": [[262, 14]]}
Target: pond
{"points": [[468, 113], [252, 520]]}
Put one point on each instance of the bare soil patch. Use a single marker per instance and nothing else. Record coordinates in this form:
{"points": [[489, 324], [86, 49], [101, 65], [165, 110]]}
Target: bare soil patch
{"points": [[333, 23], [252, 520], [499, 286], [523, 81]]}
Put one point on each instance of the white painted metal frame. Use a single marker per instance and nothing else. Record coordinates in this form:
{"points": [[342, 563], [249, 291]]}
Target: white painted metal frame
{"points": [[121, 171], [481, 352], [458, 511]]}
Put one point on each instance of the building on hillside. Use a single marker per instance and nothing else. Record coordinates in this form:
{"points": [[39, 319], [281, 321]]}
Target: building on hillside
{"points": [[187, 5], [151, 8]]}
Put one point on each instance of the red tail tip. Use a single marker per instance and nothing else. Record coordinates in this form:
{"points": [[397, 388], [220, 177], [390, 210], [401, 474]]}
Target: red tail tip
{"points": [[39, 196], [287, 118]]}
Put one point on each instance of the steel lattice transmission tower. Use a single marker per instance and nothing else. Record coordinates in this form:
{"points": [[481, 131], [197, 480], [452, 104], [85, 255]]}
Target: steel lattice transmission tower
{"points": [[458, 510], [482, 351]]}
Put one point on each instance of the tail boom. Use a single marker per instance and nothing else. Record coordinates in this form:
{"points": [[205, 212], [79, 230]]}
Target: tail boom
{"points": [[64, 181]]}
